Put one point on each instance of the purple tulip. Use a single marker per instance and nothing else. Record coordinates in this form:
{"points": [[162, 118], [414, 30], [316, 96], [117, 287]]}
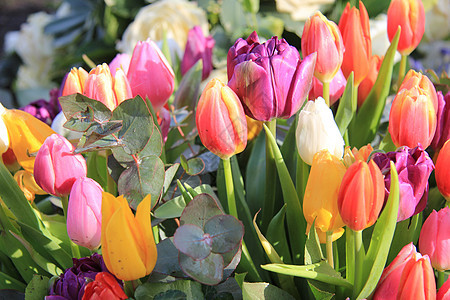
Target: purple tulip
{"points": [[121, 60], [198, 47], [443, 121], [270, 79], [414, 167], [56, 166], [84, 213], [70, 284], [44, 110]]}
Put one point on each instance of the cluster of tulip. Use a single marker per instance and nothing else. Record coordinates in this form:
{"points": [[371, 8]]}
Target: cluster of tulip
{"points": [[336, 186]]}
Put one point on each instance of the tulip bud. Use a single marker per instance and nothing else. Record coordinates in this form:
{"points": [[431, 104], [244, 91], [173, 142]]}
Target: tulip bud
{"points": [[366, 85], [323, 37], [198, 47], [414, 167], [105, 286], [150, 74], [398, 282], [317, 130], [128, 245], [350, 156], [361, 195], [122, 88], [56, 167], [442, 175], [75, 81], [442, 133], [410, 16], [412, 119], [84, 213], [434, 239], [29, 134], [220, 120], [99, 86], [120, 61], [444, 291], [320, 203], [337, 87], [270, 78], [354, 27]]}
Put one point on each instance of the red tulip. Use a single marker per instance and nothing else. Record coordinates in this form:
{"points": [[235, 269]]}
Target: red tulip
{"points": [[354, 26], [410, 16], [441, 172], [361, 195], [104, 287]]}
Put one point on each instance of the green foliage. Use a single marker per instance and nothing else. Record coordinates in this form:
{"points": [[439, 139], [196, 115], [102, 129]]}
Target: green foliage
{"points": [[37, 288]]}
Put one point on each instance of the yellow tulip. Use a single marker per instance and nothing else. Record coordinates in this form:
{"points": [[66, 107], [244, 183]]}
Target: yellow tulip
{"points": [[320, 202], [26, 134], [128, 245], [28, 185]]}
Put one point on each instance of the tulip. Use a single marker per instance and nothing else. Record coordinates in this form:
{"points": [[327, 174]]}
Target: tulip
{"points": [[105, 286], [337, 87], [442, 133], [120, 61], [56, 167], [75, 81], [320, 203], [198, 47], [366, 85], [412, 119], [101, 86], [317, 130], [220, 120], [44, 110], [26, 135], [434, 239], [442, 166], [163, 118], [414, 167], [128, 245], [397, 280], [270, 78], [410, 16], [361, 195], [28, 185], [4, 137], [150, 75], [444, 291], [354, 27], [254, 127], [323, 37], [84, 215]]}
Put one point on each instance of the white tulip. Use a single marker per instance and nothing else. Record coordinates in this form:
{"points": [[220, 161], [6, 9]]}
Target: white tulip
{"points": [[317, 130], [4, 137]]}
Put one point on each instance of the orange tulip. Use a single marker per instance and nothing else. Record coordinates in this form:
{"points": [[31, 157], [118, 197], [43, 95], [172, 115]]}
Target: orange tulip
{"points": [[412, 119], [410, 16], [441, 171], [366, 85], [361, 195], [75, 81], [323, 37], [354, 27], [350, 156]]}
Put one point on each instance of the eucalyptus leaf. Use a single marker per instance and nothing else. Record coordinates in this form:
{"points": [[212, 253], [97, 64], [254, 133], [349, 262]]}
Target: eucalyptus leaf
{"points": [[200, 210], [148, 290], [225, 231], [192, 241], [263, 290], [167, 262], [73, 104], [208, 271]]}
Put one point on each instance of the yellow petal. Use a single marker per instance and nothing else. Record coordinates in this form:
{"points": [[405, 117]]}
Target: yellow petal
{"points": [[144, 221], [109, 205]]}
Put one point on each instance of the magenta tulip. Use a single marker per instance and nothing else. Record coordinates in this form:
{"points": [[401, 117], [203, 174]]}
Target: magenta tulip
{"points": [[198, 47], [150, 74], [434, 239], [56, 166], [84, 213], [270, 79], [442, 133]]}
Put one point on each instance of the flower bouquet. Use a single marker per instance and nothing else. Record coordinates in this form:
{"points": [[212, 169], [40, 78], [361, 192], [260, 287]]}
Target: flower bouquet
{"points": [[311, 172]]}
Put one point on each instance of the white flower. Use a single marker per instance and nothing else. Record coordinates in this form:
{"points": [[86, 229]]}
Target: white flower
{"points": [[301, 10], [174, 18], [317, 130], [4, 137], [379, 36], [57, 126], [437, 25]]}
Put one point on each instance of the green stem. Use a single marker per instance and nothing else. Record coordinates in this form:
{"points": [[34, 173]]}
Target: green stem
{"points": [[402, 70], [440, 279], [359, 261], [329, 248], [270, 187], [110, 183], [350, 255], [326, 92], [155, 230], [130, 286], [73, 246]]}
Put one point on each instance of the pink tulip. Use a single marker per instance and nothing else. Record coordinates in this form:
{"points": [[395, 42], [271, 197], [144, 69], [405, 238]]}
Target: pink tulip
{"points": [[337, 87], [120, 61], [84, 213], [150, 75], [434, 239], [56, 167], [444, 291], [198, 47]]}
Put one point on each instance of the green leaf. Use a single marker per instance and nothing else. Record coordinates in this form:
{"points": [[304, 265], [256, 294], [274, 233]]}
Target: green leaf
{"points": [[8, 282], [200, 210], [251, 6], [82, 106], [406, 231], [345, 111], [276, 235], [232, 16], [188, 92], [263, 290], [167, 262], [387, 145], [142, 178], [208, 271], [380, 242], [364, 127], [313, 252], [192, 241], [149, 290], [37, 288], [96, 168], [226, 233], [193, 166], [319, 271], [255, 175], [169, 175], [171, 295]]}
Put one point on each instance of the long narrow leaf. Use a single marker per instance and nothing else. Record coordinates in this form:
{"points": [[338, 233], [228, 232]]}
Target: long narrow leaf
{"points": [[8, 282], [345, 111]]}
